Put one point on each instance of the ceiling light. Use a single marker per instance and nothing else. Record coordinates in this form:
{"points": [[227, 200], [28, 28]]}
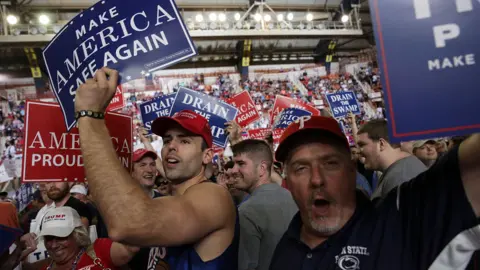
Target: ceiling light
{"points": [[12, 19], [33, 31], [280, 17], [237, 16], [238, 25], [267, 17], [226, 25], [213, 25], [258, 17], [345, 18], [222, 17], [309, 17], [290, 16], [199, 18], [42, 29], [44, 19], [212, 16]]}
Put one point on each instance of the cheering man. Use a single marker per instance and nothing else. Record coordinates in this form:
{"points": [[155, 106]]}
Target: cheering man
{"points": [[199, 222]]}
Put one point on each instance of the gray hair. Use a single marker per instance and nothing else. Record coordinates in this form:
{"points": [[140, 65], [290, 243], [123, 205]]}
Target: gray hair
{"points": [[81, 236]]}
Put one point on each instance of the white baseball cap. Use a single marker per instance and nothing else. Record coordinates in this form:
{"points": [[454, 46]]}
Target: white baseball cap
{"points": [[60, 222], [78, 189]]}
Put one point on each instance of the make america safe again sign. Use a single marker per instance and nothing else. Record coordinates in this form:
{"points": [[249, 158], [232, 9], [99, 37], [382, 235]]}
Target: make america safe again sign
{"points": [[133, 37]]}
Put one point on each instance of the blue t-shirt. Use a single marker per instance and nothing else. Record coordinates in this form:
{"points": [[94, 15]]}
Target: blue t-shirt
{"points": [[186, 258]]}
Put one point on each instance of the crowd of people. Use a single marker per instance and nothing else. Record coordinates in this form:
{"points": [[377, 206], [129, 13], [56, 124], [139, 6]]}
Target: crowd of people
{"points": [[317, 201]]}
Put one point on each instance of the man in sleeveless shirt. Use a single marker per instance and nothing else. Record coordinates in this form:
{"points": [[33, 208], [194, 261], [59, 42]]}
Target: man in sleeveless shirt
{"points": [[198, 224]]}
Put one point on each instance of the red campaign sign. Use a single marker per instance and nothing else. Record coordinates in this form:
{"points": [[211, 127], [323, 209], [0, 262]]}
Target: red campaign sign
{"points": [[217, 149], [247, 113], [277, 133], [259, 133], [52, 154], [282, 103], [117, 101]]}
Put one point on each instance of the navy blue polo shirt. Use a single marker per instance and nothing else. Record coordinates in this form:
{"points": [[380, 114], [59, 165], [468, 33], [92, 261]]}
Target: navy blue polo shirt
{"points": [[409, 230]]}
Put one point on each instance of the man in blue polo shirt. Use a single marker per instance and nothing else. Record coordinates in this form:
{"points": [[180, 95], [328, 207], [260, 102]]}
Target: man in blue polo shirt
{"points": [[430, 222]]}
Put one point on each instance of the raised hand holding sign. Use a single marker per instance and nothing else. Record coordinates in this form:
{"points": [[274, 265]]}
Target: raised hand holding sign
{"points": [[95, 94]]}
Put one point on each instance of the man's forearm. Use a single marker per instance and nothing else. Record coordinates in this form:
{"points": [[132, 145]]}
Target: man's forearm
{"points": [[108, 180]]}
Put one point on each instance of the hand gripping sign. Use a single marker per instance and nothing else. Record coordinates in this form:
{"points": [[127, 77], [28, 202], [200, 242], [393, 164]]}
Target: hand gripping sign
{"points": [[214, 110], [54, 155], [133, 37]]}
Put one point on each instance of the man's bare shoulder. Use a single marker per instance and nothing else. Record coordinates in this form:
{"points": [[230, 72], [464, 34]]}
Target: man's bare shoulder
{"points": [[209, 191]]}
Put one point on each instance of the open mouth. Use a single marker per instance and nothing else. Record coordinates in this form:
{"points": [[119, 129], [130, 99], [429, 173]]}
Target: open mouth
{"points": [[172, 161], [321, 203]]}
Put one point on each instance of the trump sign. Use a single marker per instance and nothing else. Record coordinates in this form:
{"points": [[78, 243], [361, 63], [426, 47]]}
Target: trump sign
{"points": [[214, 110], [282, 103], [117, 101], [133, 37], [54, 155], [428, 51], [343, 102], [247, 113], [155, 108]]}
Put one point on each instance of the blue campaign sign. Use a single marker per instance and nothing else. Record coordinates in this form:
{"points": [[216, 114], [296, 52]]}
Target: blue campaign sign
{"points": [[24, 195], [289, 115], [133, 37], [428, 52], [215, 110], [155, 108], [8, 236], [343, 102]]}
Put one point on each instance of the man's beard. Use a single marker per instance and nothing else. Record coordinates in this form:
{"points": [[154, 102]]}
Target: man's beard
{"points": [[323, 228], [57, 196]]}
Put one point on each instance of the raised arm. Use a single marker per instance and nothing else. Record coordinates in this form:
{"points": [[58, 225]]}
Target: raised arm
{"points": [[165, 221], [469, 156], [353, 124]]}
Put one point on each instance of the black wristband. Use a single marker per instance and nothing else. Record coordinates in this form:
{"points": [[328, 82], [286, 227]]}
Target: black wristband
{"points": [[88, 113]]}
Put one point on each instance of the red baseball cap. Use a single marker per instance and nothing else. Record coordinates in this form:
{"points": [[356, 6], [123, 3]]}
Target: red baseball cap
{"points": [[313, 123], [141, 153], [188, 120]]}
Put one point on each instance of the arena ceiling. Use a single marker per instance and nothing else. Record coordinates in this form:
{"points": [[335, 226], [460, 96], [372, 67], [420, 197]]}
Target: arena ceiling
{"points": [[297, 46]]}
